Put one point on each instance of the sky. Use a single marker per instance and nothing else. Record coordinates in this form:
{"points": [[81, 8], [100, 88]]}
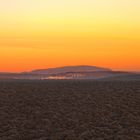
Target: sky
{"points": [[38, 34]]}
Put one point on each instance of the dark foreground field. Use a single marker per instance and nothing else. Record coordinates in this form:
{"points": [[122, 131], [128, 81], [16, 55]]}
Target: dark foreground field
{"points": [[69, 110]]}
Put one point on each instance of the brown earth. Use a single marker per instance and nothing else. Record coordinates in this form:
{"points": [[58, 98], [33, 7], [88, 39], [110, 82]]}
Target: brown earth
{"points": [[70, 110]]}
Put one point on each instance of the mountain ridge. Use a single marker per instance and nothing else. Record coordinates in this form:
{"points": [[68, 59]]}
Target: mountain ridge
{"points": [[69, 72], [64, 69]]}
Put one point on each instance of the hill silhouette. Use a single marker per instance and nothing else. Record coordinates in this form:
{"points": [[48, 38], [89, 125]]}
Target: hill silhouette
{"points": [[65, 69], [71, 72]]}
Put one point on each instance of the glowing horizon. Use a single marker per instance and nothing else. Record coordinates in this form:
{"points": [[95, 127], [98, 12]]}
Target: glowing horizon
{"points": [[37, 34]]}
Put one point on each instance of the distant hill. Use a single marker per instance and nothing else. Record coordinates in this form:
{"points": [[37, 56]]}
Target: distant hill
{"points": [[67, 69], [72, 72]]}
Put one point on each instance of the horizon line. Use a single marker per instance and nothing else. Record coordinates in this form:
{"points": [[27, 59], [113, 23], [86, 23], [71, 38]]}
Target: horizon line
{"points": [[26, 71]]}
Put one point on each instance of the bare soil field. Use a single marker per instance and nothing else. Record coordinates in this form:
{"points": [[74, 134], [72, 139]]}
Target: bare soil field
{"points": [[70, 110]]}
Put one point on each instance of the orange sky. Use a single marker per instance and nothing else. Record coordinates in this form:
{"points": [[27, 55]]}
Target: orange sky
{"points": [[50, 33]]}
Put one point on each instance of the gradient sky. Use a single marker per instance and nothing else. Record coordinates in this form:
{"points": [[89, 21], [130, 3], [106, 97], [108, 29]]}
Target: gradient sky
{"points": [[50, 33]]}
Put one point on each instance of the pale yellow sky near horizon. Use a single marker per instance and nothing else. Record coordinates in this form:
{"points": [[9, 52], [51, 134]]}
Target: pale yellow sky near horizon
{"points": [[50, 33]]}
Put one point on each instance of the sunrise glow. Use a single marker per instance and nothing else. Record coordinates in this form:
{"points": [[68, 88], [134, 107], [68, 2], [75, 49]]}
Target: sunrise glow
{"points": [[50, 33]]}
